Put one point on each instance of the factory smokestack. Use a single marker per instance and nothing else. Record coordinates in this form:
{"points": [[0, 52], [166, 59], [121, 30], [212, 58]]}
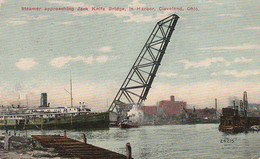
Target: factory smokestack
{"points": [[172, 99]]}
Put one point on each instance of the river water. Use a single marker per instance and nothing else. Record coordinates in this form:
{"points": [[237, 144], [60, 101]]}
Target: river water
{"points": [[171, 141]]}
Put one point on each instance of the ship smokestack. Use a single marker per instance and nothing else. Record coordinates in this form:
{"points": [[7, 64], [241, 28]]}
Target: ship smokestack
{"points": [[44, 100]]}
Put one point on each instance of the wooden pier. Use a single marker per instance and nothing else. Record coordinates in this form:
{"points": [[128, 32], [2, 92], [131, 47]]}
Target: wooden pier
{"points": [[70, 148]]}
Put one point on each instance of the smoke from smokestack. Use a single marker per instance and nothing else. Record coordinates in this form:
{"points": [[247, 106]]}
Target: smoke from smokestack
{"points": [[232, 99], [135, 115]]}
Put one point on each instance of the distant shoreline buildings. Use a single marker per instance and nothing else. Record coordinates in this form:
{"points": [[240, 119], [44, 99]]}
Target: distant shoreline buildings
{"points": [[172, 109], [169, 110]]}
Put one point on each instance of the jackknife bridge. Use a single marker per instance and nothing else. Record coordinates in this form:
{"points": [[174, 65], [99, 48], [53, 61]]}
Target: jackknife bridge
{"points": [[137, 84]]}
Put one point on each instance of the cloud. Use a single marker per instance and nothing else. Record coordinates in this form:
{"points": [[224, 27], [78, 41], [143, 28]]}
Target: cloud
{"points": [[209, 61], [211, 1], [89, 60], [105, 49], [136, 3], [253, 28], [65, 23], [102, 59], [235, 73], [239, 47], [60, 61], [204, 63], [229, 15], [185, 76], [17, 22], [242, 60], [167, 74], [63, 60], [25, 63], [40, 17], [25, 19]]}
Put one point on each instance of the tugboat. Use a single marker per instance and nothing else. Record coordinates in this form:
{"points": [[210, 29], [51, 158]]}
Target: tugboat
{"points": [[133, 119], [127, 124]]}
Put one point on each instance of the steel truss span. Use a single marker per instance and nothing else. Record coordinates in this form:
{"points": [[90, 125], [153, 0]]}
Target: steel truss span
{"points": [[137, 84]]}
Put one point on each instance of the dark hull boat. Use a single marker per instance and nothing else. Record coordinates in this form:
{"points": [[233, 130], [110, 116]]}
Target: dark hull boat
{"points": [[231, 122], [125, 125], [234, 120]]}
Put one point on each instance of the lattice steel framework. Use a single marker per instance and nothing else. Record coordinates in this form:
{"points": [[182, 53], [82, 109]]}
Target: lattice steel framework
{"points": [[137, 84]]}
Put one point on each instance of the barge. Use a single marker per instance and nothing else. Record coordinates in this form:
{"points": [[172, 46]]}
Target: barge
{"points": [[235, 120], [232, 122]]}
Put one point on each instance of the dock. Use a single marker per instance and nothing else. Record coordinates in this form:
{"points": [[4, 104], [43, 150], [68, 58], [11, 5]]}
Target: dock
{"points": [[70, 148]]}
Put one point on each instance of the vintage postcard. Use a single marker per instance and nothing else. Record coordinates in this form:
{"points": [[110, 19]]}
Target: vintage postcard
{"points": [[129, 79]]}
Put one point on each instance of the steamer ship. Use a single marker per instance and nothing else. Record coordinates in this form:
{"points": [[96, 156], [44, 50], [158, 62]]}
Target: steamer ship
{"points": [[45, 117]]}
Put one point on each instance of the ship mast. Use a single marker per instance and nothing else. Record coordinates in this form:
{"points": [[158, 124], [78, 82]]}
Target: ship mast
{"points": [[70, 92], [71, 99], [27, 102]]}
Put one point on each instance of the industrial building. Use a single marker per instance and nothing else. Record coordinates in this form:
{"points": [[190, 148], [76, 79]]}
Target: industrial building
{"points": [[166, 107], [172, 111], [172, 107]]}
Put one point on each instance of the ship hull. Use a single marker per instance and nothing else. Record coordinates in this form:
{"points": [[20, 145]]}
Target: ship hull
{"points": [[126, 126], [89, 121], [236, 124]]}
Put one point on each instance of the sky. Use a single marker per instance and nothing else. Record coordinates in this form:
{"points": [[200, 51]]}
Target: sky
{"points": [[213, 52]]}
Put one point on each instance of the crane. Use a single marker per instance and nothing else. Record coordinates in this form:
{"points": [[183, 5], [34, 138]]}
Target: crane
{"points": [[137, 84]]}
